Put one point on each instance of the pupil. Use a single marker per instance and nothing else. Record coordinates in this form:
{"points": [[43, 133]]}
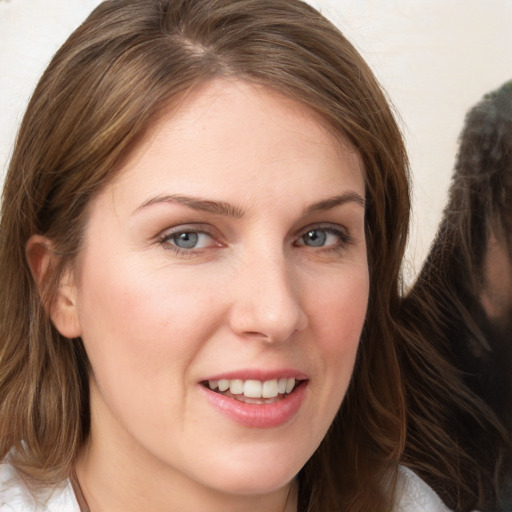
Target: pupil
{"points": [[186, 240], [315, 238]]}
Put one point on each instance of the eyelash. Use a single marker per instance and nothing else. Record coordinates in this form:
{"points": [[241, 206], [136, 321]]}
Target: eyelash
{"points": [[345, 239]]}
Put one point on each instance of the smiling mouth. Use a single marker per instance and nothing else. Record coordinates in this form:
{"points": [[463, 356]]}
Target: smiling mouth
{"points": [[254, 391]]}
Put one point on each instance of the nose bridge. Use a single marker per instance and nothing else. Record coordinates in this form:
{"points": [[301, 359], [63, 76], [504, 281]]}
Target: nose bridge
{"points": [[266, 301]]}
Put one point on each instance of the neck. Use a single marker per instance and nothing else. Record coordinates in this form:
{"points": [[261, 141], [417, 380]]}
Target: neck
{"points": [[94, 494], [107, 482]]}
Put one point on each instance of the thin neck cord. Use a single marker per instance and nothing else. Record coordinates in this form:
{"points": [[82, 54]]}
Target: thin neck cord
{"points": [[287, 497], [79, 495]]}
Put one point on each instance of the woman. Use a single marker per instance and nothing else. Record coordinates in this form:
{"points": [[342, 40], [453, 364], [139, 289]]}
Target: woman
{"points": [[202, 230]]}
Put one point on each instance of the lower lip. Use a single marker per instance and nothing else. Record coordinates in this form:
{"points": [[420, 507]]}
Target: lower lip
{"points": [[259, 415]]}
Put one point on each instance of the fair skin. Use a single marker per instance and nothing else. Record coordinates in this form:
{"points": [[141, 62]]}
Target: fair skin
{"points": [[230, 247]]}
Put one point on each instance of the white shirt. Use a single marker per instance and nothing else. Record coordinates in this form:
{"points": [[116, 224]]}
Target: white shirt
{"points": [[413, 495]]}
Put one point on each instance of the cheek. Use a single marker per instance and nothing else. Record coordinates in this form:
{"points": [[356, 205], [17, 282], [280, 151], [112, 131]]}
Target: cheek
{"points": [[340, 311], [142, 331], [337, 322], [141, 322]]}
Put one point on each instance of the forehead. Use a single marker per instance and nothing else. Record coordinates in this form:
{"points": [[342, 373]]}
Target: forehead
{"points": [[246, 129]]}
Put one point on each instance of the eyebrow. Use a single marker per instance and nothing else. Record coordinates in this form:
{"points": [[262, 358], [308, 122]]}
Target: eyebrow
{"points": [[332, 202], [229, 210], [196, 203]]}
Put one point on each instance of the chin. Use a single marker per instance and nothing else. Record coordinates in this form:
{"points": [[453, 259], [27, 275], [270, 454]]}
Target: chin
{"points": [[252, 486], [250, 479]]}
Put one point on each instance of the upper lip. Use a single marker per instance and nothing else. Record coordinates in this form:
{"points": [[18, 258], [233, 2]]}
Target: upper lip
{"points": [[258, 374]]}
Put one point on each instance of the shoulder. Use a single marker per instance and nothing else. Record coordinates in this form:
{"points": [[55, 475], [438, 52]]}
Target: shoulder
{"points": [[415, 495], [15, 495]]}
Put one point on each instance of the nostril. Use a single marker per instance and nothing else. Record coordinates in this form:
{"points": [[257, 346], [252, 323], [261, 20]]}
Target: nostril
{"points": [[256, 334]]}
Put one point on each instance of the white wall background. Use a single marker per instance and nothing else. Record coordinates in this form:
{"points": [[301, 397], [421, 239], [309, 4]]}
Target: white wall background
{"points": [[435, 58]]}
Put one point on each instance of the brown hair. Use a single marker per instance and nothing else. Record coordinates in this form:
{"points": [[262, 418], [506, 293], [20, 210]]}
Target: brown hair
{"points": [[447, 328], [106, 85]]}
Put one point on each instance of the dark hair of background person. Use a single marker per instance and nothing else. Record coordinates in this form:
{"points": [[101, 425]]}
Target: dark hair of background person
{"points": [[446, 319]]}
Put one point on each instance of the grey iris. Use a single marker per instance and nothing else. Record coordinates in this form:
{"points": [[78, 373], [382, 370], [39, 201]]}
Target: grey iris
{"points": [[186, 240], [315, 238]]}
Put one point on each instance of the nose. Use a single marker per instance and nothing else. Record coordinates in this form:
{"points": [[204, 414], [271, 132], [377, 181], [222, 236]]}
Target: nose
{"points": [[266, 302]]}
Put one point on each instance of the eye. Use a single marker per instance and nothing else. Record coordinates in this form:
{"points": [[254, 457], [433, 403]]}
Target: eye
{"points": [[324, 237], [187, 240]]}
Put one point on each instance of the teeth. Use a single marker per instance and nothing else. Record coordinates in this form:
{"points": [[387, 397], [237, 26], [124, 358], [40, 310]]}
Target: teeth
{"points": [[236, 387], [254, 388], [269, 389], [223, 385]]}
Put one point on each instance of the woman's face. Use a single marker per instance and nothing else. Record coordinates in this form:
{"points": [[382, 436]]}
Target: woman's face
{"points": [[221, 292]]}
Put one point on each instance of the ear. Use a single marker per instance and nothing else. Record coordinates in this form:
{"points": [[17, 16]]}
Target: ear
{"points": [[62, 307]]}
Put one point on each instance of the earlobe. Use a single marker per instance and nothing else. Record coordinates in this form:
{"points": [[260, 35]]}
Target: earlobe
{"points": [[62, 305]]}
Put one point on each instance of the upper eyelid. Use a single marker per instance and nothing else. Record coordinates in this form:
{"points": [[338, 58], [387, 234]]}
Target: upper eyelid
{"points": [[188, 228], [328, 226]]}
